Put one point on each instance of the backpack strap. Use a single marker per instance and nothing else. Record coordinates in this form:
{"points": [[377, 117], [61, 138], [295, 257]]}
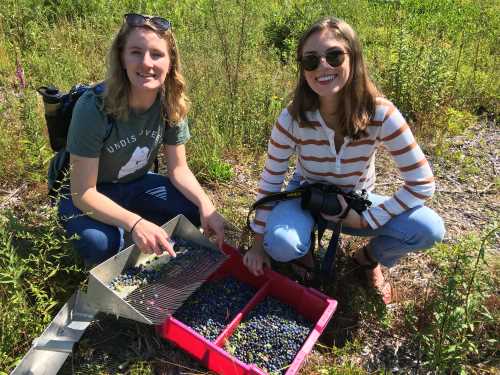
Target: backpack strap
{"points": [[59, 163], [98, 90]]}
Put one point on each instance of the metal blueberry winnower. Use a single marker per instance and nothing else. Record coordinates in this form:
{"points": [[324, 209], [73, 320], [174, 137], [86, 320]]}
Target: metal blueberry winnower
{"points": [[151, 293], [173, 280]]}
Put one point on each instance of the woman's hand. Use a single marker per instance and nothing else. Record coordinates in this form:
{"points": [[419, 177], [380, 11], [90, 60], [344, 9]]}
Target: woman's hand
{"points": [[185, 181], [256, 258], [351, 220], [212, 223], [150, 238]]}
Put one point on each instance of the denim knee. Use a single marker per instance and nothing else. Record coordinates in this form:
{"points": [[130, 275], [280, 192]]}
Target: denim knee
{"points": [[431, 233], [418, 229], [284, 244], [95, 246]]}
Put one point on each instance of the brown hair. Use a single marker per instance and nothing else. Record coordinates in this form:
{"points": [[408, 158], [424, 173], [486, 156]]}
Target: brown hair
{"points": [[357, 97], [174, 101]]}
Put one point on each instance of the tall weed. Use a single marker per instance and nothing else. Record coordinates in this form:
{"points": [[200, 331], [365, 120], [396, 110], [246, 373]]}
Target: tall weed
{"points": [[239, 58], [38, 272], [457, 326]]}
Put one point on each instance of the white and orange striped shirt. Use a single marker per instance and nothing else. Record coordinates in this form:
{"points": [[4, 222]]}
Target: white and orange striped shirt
{"points": [[353, 168]]}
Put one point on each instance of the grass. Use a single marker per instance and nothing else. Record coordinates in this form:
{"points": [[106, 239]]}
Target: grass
{"points": [[436, 60], [460, 312], [38, 273]]}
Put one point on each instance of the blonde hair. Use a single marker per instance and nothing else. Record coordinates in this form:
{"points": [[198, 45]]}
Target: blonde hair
{"points": [[357, 97], [174, 101]]}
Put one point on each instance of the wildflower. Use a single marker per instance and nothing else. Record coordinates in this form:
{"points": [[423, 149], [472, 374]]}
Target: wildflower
{"points": [[20, 74]]}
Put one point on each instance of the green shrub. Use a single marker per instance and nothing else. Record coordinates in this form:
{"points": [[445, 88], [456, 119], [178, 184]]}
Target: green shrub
{"points": [[456, 328], [38, 273], [426, 56]]}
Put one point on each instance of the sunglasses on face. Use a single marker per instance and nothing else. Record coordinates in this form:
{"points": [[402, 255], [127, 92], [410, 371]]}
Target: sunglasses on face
{"points": [[334, 58], [139, 20]]}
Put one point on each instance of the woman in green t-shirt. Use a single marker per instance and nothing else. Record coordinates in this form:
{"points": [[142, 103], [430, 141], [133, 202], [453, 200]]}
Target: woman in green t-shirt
{"points": [[112, 190]]}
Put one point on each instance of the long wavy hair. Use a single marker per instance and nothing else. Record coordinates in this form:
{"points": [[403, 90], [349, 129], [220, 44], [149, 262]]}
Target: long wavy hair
{"points": [[357, 97], [174, 101]]}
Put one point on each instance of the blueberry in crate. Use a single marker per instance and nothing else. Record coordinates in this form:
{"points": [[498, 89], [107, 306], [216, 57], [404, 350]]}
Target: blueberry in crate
{"points": [[270, 336], [210, 309]]}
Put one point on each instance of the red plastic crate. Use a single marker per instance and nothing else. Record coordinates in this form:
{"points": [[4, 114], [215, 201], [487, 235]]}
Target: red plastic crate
{"points": [[308, 302]]}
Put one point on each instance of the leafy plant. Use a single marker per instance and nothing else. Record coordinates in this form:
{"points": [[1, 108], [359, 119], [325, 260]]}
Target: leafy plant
{"points": [[217, 170], [38, 273], [451, 123], [456, 326]]}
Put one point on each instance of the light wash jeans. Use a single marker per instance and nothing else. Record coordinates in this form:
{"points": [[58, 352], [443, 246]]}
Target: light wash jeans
{"points": [[152, 196], [288, 231]]}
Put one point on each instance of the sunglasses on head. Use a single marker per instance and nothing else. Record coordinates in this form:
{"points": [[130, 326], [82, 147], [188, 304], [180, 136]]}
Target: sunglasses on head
{"points": [[334, 57], [139, 20]]}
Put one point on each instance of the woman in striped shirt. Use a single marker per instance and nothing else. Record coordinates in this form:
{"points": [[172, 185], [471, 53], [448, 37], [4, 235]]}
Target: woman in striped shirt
{"points": [[334, 124]]}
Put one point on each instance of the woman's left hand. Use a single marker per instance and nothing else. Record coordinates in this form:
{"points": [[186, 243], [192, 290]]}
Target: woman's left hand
{"points": [[212, 223], [352, 220]]}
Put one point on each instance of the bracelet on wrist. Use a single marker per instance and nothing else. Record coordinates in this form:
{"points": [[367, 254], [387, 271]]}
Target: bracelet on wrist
{"points": [[133, 226]]}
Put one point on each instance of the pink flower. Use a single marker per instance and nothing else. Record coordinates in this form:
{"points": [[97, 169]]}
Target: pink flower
{"points": [[20, 74]]}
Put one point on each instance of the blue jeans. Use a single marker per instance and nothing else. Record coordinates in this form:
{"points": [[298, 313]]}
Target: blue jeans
{"points": [[152, 196], [288, 231]]}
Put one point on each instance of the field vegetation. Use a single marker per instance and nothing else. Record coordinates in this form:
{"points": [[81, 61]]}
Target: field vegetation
{"points": [[436, 60]]}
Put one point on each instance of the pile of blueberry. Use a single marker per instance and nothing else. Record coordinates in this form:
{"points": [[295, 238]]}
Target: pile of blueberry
{"points": [[270, 337], [188, 255], [135, 276], [212, 307]]}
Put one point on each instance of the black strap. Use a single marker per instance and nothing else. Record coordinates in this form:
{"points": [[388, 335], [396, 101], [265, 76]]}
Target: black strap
{"points": [[157, 165], [328, 264], [274, 197]]}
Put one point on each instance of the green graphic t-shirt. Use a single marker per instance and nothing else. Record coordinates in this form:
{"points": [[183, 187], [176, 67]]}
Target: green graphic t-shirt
{"points": [[129, 148]]}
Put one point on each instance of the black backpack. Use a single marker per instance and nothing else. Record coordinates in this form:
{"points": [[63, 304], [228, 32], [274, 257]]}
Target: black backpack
{"points": [[58, 111]]}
